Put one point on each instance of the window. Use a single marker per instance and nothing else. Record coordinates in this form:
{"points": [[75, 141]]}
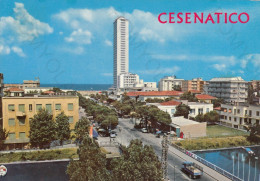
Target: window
{"points": [[257, 113], [230, 110], [11, 136], [30, 107], [11, 122], [245, 112], [22, 121], [21, 107], [235, 119], [207, 110], [238, 111], [38, 107], [229, 118], [192, 111], [70, 106], [58, 107], [250, 112], [70, 119], [200, 110], [48, 108], [11, 107], [22, 135]]}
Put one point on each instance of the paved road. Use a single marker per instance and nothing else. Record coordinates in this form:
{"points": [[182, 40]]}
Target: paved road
{"points": [[128, 133]]}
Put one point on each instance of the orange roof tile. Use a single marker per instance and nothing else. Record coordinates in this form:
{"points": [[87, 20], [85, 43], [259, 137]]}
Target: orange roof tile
{"points": [[14, 89], [217, 108], [204, 97], [155, 93], [195, 91], [170, 103]]}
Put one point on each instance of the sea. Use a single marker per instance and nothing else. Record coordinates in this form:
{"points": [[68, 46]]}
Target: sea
{"points": [[80, 87]]}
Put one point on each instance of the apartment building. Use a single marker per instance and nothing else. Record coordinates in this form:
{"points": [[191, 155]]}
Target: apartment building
{"points": [[230, 89], [121, 48], [239, 116], [17, 112], [169, 82], [127, 80], [194, 84], [31, 83]]}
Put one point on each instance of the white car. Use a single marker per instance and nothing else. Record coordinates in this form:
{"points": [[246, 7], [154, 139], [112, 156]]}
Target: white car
{"points": [[144, 130]]}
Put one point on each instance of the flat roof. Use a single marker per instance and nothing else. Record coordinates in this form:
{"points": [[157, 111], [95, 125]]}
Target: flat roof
{"points": [[181, 121]]}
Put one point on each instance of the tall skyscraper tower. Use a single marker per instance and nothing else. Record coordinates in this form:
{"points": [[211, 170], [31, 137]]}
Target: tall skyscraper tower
{"points": [[121, 47]]}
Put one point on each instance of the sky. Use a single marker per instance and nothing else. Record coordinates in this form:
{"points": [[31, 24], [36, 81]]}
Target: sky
{"points": [[71, 41]]}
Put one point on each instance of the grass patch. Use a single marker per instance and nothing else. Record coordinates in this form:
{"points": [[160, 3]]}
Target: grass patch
{"points": [[213, 143], [222, 131], [39, 155]]}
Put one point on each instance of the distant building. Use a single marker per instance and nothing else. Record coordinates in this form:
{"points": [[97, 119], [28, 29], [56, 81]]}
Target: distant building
{"points": [[239, 116], [121, 48], [17, 112], [196, 107], [230, 89], [256, 85], [7, 86], [14, 92], [194, 84], [205, 98], [31, 83], [127, 80], [169, 82], [142, 96]]}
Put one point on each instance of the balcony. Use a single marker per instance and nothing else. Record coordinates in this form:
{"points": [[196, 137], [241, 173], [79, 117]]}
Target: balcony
{"points": [[20, 114]]}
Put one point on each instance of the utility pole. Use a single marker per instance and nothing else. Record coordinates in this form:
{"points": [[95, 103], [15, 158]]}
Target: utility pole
{"points": [[165, 157]]}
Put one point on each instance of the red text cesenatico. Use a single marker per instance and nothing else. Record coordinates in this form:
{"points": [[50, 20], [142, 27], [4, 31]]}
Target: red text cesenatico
{"points": [[203, 18]]}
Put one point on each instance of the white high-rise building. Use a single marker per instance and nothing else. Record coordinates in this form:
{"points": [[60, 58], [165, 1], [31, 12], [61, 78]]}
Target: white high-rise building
{"points": [[121, 48], [167, 83]]}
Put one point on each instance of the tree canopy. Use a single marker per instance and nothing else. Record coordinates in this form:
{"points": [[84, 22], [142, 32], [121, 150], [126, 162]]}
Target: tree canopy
{"points": [[91, 165], [217, 102], [42, 129], [254, 133], [82, 128], [3, 136], [63, 127], [138, 162], [182, 110], [189, 96]]}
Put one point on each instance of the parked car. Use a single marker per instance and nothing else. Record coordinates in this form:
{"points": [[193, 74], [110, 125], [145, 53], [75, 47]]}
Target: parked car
{"points": [[144, 130]]}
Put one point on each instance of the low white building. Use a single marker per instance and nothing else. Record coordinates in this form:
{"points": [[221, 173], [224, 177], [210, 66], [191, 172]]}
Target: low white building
{"points": [[196, 107], [142, 96], [127, 80], [239, 116]]}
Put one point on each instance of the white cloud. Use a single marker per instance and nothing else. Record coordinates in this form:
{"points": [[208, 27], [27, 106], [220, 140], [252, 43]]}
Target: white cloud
{"points": [[18, 51], [80, 36], [220, 67], [107, 74], [143, 25], [23, 26], [4, 50], [243, 63], [254, 59], [172, 70], [108, 43]]}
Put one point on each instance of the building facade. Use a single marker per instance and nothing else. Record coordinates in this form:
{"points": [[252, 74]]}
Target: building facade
{"points": [[169, 82], [121, 48], [127, 80], [31, 83], [17, 112], [1, 85], [230, 89], [194, 84], [239, 116]]}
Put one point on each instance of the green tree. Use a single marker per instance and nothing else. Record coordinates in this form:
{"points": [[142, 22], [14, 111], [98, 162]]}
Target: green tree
{"points": [[200, 118], [110, 120], [3, 136], [82, 128], [42, 129], [218, 102], [254, 133], [189, 96], [211, 117], [91, 165], [177, 87], [138, 162], [182, 110], [63, 127]]}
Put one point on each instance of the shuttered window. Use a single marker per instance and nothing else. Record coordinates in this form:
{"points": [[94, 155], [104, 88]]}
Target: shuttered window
{"points": [[48, 108], [22, 135], [70, 119], [11, 122], [11, 136], [11, 107], [70, 106], [38, 107], [21, 108], [58, 107]]}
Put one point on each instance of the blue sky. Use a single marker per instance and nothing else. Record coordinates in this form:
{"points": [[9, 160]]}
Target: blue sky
{"points": [[70, 41]]}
